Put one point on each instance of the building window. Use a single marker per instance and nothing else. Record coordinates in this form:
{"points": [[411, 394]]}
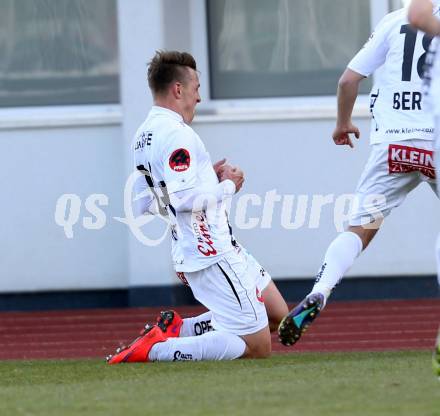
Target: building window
{"points": [[279, 48], [58, 52]]}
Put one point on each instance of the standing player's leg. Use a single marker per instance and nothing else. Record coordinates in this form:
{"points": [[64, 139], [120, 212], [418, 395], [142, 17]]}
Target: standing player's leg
{"points": [[378, 192], [340, 256], [338, 259]]}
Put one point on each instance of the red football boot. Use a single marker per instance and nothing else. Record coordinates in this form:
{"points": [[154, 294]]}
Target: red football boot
{"points": [[138, 350], [170, 323]]}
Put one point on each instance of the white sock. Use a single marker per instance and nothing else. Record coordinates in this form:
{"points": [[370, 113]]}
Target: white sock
{"points": [[340, 256], [196, 325], [215, 345]]}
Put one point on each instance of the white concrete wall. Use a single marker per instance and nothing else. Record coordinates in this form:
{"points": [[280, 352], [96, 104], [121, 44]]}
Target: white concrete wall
{"points": [[38, 165]]}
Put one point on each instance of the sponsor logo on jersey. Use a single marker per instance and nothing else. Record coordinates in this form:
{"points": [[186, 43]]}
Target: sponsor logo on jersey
{"points": [[180, 160], [202, 233], [180, 356], [404, 159]]}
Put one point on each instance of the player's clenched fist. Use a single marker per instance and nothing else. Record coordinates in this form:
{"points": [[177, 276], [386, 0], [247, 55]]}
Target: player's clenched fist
{"points": [[234, 173]]}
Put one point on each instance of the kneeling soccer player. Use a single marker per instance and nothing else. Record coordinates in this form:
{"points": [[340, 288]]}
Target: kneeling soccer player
{"points": [[223, 277]]}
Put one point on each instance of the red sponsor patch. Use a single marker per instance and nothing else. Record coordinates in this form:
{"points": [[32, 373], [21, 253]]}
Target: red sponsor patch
{"points": [[180, 160], [404, 159]]}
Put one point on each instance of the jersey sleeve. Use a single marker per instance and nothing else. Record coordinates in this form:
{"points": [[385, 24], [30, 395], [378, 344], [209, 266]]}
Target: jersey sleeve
{"points": [[180, 159], [374, 52], [143, 196]]}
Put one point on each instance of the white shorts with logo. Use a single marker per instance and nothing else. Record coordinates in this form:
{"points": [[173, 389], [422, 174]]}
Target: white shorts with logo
{"points": [[231, 290], [393, 170]]}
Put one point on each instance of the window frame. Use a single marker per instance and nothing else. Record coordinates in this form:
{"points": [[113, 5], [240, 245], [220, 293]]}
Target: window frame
{"points": [[241, 109], [65, 115], [57, 116]]}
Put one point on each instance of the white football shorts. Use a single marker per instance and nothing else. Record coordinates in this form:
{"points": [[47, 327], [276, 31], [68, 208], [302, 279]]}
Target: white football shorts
{"points": [[393, 170], [231, 290]]}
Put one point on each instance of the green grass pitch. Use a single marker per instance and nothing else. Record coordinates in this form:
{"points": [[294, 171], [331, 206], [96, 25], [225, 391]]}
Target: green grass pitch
{"points": [[376, 384]]}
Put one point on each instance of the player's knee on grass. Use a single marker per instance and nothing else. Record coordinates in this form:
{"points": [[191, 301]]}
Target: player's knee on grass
{"points": [[258, 345], [262, 350]]}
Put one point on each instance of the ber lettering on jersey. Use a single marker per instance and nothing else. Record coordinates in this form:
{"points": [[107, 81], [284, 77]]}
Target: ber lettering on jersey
{"points": [[404, 159]]}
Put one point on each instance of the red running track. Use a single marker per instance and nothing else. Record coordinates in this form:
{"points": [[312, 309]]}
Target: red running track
{"points": [[342, 326]]}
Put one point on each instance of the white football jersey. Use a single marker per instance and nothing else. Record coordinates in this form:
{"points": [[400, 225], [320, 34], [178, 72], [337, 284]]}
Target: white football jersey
{"points": [[173, 158], [397, 104]]}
